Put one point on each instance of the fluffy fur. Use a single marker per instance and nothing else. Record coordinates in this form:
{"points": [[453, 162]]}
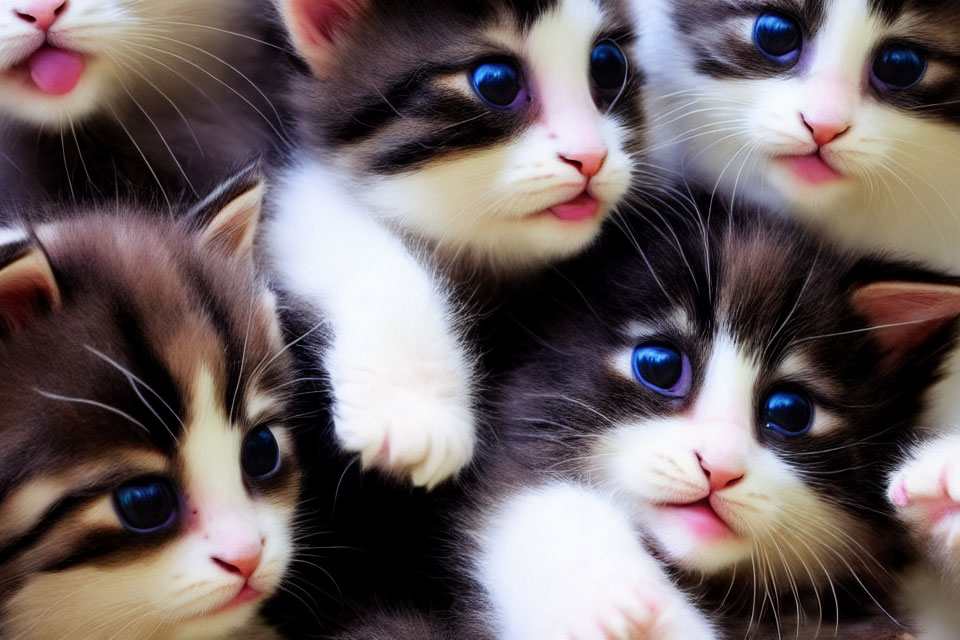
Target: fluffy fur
{"points": [[725, 115], [141, 348], [408, 176], [173, 95], [590, 465]]}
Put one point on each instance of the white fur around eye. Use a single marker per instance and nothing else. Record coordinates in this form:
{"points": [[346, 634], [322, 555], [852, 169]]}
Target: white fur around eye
{"points": [[175, 589], [901, 193], [657, 461], [9, 236]]}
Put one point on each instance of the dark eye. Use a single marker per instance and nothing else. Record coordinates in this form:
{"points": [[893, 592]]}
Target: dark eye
{"points": [[608, 66], [899, 67], [788, 413], [499, 84], [663, 369], [259, 454], [146, 505], [778, 37]]}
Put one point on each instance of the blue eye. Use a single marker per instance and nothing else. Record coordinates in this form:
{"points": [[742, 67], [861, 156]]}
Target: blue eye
{"points": [[260, 454], [608, 67], [662, 369], [778, 37], [788, 413], [499, 84], [146, 505], [899, 67]]}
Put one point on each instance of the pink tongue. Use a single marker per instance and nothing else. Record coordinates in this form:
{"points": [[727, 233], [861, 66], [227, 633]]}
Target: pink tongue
{"points": [[812, 169], [56, 71], [580, 208]]}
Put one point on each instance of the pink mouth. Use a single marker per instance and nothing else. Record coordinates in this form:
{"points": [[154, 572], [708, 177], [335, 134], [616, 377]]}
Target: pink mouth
{"points": [[51, 70], [812, 169], [583, 207], [247, 594], [702, 520]]}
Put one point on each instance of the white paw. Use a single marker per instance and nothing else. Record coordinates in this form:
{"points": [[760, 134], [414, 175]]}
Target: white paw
{"points": [[629, 609], [406, 413], [926, 492], [564, 563]]}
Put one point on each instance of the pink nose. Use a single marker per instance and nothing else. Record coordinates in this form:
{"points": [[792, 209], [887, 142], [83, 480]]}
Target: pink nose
{"points": [[242, 562], [41, 13], [587, 163], [825, 133], [720, 476]]}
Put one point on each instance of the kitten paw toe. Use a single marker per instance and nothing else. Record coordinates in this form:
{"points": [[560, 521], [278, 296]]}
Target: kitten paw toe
{"points": [[625, 614], [419, 428], [926, 493]]}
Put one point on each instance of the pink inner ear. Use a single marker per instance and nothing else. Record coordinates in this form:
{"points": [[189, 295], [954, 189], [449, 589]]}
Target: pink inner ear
{"points": [[325, 19], [23, 292], [909, 312], [315, 24]]}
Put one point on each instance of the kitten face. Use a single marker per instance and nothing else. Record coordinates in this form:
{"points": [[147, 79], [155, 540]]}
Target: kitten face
{"points": [[147, 478], [63, 61], [505, 133], [728, 399], [829, 107]]}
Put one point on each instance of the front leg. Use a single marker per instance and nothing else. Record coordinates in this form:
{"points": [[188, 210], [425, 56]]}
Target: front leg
{"points": [[400, 373], [561, 562]]}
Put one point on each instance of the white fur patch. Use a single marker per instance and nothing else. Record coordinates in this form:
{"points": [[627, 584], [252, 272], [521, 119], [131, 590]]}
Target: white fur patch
{"points": [[901, 193], [123, 43], [561, 561], [660, 462], [401, 376], [490, 206], [9, 236], [174, 592]]}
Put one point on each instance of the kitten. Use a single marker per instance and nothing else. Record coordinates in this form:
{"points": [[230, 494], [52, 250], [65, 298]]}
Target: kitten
{"points": [[717, 392], [442, 140], [147, 474], [845, 113], [146, 99]]}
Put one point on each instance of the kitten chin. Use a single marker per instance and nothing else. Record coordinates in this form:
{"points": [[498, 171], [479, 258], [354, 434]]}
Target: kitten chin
{"points": [[507, 187], [710, 396], [148, 470], [823, 132], [105, 97]]}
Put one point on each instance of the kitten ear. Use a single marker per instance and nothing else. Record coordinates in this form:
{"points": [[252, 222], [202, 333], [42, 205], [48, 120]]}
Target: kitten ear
{"points": [[229, 217], [28, 287], [315, 25], [907, 314]]}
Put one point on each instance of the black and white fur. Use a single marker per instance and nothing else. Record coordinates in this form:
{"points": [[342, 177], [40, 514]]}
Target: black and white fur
{"points": [[407, 178], [135, 346], [572, 533], [173, 96], [723, 114]]}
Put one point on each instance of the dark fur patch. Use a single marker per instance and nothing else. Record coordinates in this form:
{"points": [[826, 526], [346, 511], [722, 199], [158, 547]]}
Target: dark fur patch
{"points": [[778, 291], [145, 294], [384, 99], [714, 36]]}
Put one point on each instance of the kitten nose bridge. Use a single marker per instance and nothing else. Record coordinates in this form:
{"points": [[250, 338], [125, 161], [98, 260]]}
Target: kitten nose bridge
{"points": [[722, 472], [588, 163], [236, 545], [828, 112], [825, 132], [40, 13], [240, 555]]}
